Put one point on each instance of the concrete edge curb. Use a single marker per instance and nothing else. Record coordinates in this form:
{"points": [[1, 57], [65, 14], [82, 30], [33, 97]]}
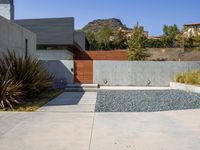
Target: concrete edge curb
{"points": [[131, 88], [185, 87]]}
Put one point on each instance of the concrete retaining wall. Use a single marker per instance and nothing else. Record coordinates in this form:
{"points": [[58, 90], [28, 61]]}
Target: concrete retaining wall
{"points": [[62, 70], [13, 37], [139, 73], [54, 55]]}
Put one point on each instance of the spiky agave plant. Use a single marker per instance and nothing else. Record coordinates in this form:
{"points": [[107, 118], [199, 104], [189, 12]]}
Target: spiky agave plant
{"points": [[11, 92], [28, 71]]}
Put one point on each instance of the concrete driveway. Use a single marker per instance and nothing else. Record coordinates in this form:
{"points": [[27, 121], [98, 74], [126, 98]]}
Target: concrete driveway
{"points": [[64, 124]]}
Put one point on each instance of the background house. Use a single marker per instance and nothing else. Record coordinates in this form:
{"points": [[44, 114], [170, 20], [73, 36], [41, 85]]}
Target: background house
{"points": [[192, 29]]}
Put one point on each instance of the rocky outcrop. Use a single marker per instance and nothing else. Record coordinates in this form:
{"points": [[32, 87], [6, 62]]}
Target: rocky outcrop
{"points": [[96, 25]]}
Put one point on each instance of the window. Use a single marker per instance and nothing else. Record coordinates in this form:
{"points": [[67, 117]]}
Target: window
{"points": [[26, 47]]}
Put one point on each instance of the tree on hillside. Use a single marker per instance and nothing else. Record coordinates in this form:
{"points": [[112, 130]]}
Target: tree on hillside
{"points": [[120, 40], [154, 43], [137, 44], [169, 35], [196, 39], [104, 38], [92, 40], [181, 39]]}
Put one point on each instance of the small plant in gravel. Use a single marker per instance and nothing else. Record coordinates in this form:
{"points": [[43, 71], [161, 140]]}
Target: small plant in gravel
{"points": [[192, 77]]}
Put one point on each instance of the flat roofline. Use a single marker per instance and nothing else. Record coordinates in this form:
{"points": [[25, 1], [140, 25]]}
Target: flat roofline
{"points": [[6, 2], [193, 24], [72, 47], [27, 19]]}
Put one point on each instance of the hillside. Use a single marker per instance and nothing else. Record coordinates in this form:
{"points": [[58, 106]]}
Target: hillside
{"points": [[96, 25]]}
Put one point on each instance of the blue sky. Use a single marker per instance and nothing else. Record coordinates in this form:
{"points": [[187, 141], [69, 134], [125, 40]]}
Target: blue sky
{"points": [[152, 14]]}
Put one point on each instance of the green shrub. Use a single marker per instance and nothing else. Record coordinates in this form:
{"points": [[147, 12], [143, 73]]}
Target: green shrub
{"points": [[11, 92], [137, 44], [192, 77], [26, 70]]}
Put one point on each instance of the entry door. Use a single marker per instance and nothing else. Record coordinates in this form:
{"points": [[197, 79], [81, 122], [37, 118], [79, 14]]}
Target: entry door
{"points": [[83, 72]]}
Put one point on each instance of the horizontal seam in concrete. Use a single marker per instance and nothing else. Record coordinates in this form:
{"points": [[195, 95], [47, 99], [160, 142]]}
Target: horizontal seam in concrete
{"points": [[46, 111]]}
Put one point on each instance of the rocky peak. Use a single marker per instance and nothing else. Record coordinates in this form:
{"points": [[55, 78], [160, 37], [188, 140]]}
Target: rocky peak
{"points": [[96, 25]]}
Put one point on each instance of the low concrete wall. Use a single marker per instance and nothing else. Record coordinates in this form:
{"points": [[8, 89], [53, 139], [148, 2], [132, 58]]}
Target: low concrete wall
{"points": [[139, 73], [13, 37], [54, 55], [185, 87], [62, 70]]}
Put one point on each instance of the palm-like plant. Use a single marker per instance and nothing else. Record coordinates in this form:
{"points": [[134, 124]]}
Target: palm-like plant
{"points": [[11, 91], [28, 71]]}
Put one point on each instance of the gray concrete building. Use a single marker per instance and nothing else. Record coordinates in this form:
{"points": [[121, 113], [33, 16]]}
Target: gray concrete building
{"points": [[17, 38], [81, 39], [7, 9], [55, 35]]}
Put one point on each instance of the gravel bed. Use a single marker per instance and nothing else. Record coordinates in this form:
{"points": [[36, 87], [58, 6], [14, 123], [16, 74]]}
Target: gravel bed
{"points": [[146, 101]]}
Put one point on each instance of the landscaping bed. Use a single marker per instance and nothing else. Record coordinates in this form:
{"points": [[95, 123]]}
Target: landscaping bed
{"points": [[35, 103], [146, 101]]}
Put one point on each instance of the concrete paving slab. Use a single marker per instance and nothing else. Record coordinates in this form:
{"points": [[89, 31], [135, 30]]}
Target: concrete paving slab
{"points": [[68, 108], [88, 102], [176, 130], [48, 131], [72, 102], [9, 120], [65, 128], [78, 95]]}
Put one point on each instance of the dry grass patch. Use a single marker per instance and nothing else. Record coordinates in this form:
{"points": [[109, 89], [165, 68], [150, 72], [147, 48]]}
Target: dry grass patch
{"points": [[35, 103], [192, 77]]}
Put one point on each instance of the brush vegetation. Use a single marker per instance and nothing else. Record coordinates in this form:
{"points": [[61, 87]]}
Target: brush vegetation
{"points": [[192, 77]]}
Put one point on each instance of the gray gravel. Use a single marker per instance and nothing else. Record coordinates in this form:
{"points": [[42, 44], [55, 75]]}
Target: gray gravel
{"points": [[146, 101]]}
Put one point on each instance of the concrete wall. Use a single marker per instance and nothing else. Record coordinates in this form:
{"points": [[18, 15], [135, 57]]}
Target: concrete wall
{"points": [[51, 31], [139, 73], [13, 37], [62, 70], [80, 39], [7, 11], [54, 55]]}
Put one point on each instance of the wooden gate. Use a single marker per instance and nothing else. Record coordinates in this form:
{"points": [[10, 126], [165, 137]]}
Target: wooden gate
{"points": [[83, 72]]}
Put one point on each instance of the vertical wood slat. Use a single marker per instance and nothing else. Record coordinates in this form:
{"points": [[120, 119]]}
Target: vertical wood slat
{"points": [[83, 71]]}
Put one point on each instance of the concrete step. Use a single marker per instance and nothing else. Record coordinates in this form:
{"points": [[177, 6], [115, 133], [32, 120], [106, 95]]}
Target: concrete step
{"points": [[80, 89], [82, 86]]}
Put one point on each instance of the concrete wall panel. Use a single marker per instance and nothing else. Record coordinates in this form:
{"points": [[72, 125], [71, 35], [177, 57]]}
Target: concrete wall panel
{"points": [[54, 55], [62, 70], [5, 11], [80, 39], [139, 73], [51, 31], [13, 36]]}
